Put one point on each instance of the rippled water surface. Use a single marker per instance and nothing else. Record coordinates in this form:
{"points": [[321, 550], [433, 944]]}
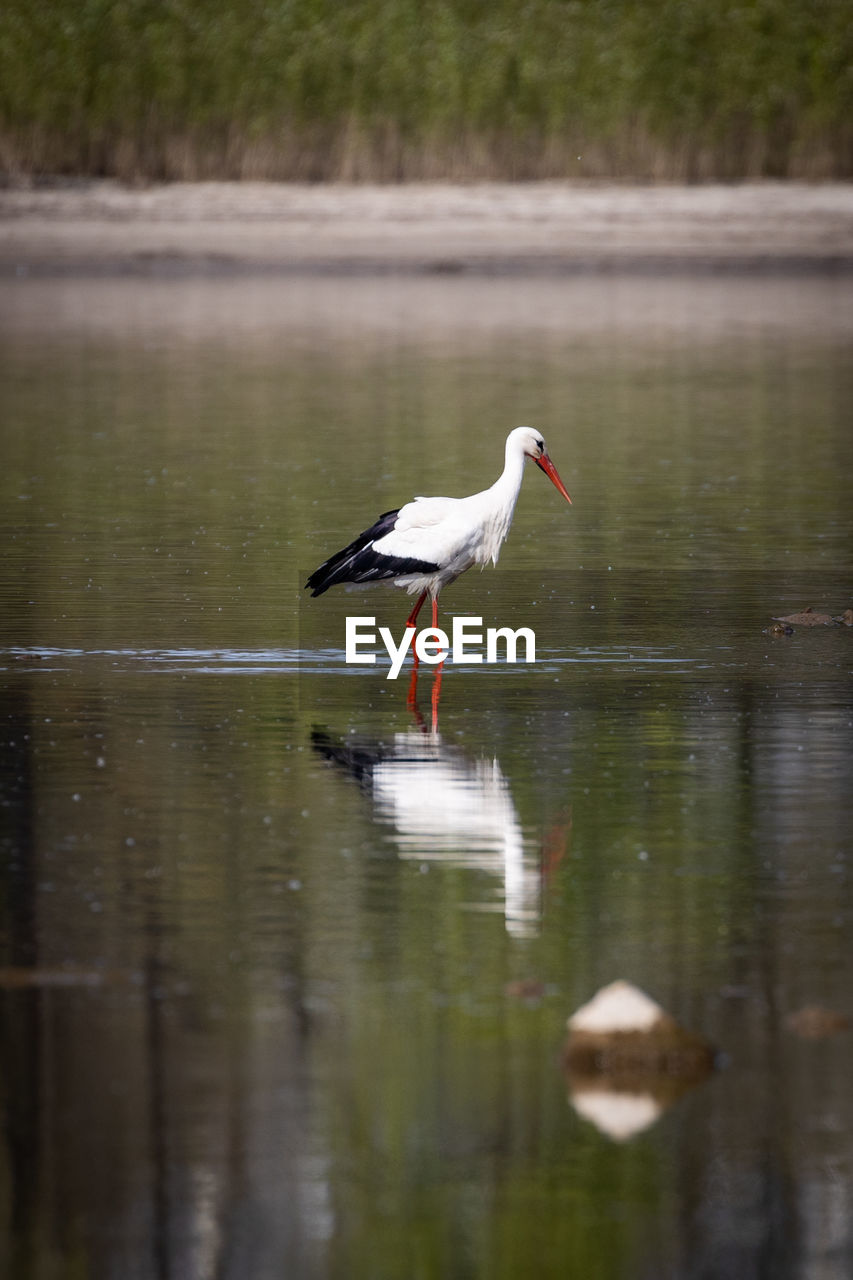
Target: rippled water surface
{"points": [[287, 948]]}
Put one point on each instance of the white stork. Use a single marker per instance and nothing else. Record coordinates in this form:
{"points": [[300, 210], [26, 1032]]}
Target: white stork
{"points": [[429, 542]]}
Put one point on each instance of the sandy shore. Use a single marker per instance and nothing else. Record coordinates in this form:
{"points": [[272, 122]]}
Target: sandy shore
{"points": [[204, 228]]}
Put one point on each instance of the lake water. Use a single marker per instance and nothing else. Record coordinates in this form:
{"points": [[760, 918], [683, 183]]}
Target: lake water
{"points": [[287, 949]]}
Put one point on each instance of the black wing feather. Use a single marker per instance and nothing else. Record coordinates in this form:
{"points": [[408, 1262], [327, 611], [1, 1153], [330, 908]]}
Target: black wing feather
{"points": [[360, 563]]}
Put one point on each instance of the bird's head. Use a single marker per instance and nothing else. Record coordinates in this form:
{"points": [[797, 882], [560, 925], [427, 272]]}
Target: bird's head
{"points": [[533, 446]]}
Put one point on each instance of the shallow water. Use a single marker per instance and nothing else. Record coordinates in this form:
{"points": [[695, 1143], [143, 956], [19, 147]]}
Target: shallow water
{"points": [[287, 948]]}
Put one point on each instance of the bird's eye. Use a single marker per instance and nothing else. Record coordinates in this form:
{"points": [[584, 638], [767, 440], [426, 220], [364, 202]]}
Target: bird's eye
{"points": [[540, 444]]}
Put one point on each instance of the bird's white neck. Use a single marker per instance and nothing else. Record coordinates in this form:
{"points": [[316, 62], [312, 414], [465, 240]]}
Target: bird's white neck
{"points": [[502, 497], [510, 478]]}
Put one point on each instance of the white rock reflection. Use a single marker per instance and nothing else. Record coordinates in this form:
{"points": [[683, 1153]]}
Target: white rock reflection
{"points": [[447, 807], [619, 1116]]}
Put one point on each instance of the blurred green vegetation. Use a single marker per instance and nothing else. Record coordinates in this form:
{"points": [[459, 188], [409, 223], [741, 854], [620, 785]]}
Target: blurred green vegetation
{"points": [[396, 89]]}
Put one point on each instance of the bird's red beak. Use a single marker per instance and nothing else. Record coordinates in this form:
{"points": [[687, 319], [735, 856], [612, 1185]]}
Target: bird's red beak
{"points": [[545, 464]]}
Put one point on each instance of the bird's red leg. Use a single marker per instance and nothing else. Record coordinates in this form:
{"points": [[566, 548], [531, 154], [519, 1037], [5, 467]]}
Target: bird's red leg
{"points": [[436, 686], [410, 622], [412, 618]]}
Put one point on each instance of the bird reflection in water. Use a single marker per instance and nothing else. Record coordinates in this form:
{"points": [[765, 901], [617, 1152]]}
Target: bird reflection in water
{"points": [[445, 806], [412, 698]]}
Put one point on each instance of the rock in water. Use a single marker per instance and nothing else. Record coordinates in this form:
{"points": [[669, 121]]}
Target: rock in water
{"points": [[626, 1060], [816, 1023], [621, 1007], [808, 617]]}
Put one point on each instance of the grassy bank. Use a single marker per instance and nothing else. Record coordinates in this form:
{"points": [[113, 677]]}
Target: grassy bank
{"points": [[398, 89]]}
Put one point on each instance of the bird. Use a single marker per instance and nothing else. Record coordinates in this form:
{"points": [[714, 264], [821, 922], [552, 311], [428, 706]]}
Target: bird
{"points": [[426, 544]]}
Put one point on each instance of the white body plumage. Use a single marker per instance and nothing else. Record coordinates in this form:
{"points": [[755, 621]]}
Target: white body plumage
{"points": [[429, 542]]}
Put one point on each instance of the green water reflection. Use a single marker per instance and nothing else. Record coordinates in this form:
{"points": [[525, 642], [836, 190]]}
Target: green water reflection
{"points": [[285, 973]]}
